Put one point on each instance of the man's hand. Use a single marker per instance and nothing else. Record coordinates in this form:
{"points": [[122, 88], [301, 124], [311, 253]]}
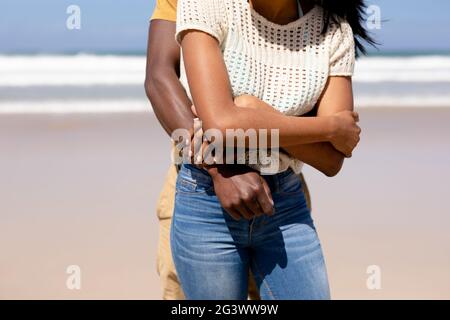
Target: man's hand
{"points": [[198, 144], [242, 192]]}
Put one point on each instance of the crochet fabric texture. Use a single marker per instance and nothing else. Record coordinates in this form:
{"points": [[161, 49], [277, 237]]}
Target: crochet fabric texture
{"points": [[286, 66]]}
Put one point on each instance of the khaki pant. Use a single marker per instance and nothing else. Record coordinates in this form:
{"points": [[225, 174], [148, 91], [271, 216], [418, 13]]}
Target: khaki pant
{"points": [[166, 268]]}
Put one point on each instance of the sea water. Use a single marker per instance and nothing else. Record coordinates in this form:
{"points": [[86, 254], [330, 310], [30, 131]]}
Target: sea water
{"points": [[114, 83]]}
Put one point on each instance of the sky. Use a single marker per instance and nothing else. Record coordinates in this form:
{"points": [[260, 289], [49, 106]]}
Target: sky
{"points": [[122, 26]]}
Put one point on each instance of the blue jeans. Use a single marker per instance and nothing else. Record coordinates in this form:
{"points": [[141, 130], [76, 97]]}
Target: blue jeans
{"points": [[213, 252]]}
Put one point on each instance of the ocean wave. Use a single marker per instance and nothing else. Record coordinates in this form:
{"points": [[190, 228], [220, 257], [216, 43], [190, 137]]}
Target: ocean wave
{"points": [[77, 106], [403, 69], [404, 101], [92, 83], [80, 69], [86, 70], [143, 106]]}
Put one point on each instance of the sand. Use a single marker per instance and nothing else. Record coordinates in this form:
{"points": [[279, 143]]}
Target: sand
{"points": [[81, 190]]}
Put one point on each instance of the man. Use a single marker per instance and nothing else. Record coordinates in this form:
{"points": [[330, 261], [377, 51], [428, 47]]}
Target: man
{"points": [[236, 186]]}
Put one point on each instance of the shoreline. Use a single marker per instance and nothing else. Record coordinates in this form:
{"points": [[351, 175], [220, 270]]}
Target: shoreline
{"points": [[140, 106]]}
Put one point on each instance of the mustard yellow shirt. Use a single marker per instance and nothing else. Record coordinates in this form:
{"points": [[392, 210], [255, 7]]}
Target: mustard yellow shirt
{"points": [[165, 10]]}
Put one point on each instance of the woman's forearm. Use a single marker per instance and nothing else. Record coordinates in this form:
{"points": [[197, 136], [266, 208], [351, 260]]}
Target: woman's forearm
{"points": [[322, 155], [212, 95], [211, 91], [292, 131], [306, 144]]}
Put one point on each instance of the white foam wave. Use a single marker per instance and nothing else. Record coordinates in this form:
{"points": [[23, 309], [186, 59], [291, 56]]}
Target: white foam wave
{"points": [[82, 70], [403, 69], [382, 82], [106, 106], [138, 106], [88, 70], [395, 101]]}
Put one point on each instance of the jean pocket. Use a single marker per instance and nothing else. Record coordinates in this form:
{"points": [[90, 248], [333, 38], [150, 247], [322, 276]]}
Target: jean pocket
{"points": [[186, 185]]}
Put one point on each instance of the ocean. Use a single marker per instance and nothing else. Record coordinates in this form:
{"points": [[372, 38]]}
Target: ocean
{"points": [[96, 83]]}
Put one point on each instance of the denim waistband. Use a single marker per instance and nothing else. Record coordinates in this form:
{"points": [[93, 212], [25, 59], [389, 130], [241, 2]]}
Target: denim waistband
{"points": [[200, 175]]}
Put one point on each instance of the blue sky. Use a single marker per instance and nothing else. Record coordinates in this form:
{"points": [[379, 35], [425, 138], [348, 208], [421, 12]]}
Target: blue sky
{"points": [[121, 25]]}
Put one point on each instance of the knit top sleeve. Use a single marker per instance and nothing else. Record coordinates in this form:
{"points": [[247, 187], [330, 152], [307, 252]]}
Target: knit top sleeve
{"points": [[342, 55], [208, 16]]}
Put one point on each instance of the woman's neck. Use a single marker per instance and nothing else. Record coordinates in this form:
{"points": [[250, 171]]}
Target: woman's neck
{"points": [[279, 11]]}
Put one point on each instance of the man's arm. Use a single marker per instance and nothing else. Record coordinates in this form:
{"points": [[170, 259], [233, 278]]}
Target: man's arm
{"points": [[237, 187], [164, 90]]}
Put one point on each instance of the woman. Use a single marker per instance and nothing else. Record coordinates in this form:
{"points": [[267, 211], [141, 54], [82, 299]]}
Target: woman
{"points": [[285, 63]]}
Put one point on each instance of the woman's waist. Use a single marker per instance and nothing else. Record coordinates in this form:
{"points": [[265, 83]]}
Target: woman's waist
{"points": [[286, 181]]}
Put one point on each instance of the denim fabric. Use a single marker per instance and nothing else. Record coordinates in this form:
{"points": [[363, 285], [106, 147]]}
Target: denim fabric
{"points": [[213, 252]]}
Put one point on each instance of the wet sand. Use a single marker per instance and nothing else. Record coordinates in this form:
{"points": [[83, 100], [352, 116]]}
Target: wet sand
{"points": [[81, 190]]}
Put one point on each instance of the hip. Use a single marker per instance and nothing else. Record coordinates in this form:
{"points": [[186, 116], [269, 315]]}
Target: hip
{"points": [[195, 194]]}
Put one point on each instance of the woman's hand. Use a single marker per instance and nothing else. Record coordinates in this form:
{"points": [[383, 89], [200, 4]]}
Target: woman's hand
{"points": [[346, 132]]}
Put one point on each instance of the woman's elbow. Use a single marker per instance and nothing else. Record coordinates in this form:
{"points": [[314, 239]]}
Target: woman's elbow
{"points": [[222, 122], [220, 125]]}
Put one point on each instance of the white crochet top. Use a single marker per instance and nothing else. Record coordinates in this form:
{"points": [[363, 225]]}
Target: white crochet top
{"points": [[286, 66]]}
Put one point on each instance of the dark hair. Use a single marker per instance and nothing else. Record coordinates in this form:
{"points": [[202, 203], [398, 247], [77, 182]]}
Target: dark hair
{"points": [[354, 12]]}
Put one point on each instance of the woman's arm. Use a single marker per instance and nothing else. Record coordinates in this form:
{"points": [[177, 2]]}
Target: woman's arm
{"points": [[321, 155], [211, 92], [337, 97]]}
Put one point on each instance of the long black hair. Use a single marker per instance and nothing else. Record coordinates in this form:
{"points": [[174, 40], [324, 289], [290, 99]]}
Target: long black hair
{"points": [[354, 12]]}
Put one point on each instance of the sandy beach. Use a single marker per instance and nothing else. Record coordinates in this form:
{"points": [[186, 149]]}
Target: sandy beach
{"points": [[81, 189]]}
